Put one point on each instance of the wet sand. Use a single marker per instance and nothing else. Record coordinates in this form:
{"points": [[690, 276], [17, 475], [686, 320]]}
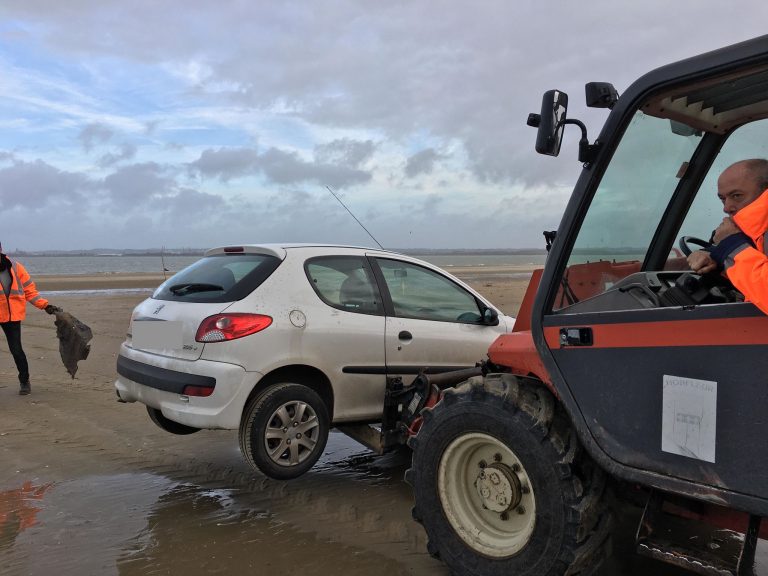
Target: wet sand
{"points": [[91, 486]]}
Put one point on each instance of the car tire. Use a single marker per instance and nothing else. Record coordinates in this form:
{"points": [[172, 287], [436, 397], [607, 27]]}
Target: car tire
{"points": [[502, 486], [284, 430], [169, 425]]}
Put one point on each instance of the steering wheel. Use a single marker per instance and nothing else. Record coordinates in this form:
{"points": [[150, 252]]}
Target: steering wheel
{"points": [[686, 240]]}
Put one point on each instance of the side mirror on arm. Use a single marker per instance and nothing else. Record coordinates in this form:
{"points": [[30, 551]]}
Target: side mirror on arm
{"points": [[550, 124]]}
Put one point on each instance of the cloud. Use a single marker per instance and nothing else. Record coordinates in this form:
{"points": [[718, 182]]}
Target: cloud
{"points": [[37, 185], [345, 152], [132, 187], [226, 163], [125, 152], [94, 134], [286, 167], [421, 163]]}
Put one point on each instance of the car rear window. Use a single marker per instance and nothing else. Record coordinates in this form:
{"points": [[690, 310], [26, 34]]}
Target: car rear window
{"points": [[218, 278]]}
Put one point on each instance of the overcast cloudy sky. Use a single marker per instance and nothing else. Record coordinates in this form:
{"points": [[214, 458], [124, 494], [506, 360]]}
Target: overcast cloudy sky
{"points": [[187, 123]]}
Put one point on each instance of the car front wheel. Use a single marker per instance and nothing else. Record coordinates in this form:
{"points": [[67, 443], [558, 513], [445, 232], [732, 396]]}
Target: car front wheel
{"points": [[284, 430]]}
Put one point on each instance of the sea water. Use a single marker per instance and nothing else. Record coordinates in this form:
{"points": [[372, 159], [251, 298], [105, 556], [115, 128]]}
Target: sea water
{"points": [[128, 264]]}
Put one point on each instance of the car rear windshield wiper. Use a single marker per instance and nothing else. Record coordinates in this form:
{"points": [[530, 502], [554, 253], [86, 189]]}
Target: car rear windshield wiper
{"points": [[190, 287]]}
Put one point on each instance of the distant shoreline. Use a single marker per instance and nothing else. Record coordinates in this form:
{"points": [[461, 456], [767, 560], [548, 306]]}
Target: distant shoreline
{"points": [[200, 252], [131, 280]]}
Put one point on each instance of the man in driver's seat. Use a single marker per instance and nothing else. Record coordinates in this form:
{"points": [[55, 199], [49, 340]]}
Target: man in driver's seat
{"points": [[739, 248]]}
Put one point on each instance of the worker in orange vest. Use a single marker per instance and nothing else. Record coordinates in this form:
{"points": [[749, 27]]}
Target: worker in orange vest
{"points": [[17, 290], [739, 249]]}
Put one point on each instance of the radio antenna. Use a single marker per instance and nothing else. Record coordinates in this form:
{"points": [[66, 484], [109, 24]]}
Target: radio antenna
{"points": [[162, 262], [353, 216]]}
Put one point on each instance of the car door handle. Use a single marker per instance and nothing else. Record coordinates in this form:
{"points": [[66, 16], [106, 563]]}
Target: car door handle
{"points": [[405, 335]]}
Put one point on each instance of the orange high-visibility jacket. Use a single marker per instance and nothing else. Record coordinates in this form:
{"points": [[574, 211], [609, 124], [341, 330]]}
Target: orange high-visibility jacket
{"points": [[745, 266], [14, 306]]}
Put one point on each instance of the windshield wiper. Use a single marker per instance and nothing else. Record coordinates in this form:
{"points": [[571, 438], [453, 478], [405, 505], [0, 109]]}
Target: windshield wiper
{"points": [[190, 287]]}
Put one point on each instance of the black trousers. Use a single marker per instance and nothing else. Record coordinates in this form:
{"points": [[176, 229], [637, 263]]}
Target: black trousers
{"points": [[13, 335]]}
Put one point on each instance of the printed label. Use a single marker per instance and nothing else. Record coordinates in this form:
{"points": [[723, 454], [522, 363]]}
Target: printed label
{"points": [[689, 411]]}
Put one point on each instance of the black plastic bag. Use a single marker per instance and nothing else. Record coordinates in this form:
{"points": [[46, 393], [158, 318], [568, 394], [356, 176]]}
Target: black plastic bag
{"points": [[73, 338]]}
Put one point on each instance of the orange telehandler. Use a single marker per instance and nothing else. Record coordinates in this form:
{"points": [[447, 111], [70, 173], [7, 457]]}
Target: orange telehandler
{"points": [[625, 368]]}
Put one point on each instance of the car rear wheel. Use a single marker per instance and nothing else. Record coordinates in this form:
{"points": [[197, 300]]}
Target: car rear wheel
{"points": [[284, 430], [169, 425]]}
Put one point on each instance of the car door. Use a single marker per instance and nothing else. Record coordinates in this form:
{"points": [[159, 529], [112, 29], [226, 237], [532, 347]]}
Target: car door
{"points": [[345, 338], [431, 320]]}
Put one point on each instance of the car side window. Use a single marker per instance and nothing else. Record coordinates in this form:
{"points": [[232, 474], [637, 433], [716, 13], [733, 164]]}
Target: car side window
{"points": [[345, 282], [424, 294]]}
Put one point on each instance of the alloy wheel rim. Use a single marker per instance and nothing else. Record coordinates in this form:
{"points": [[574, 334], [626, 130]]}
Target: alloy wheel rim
{"points": [[291, 434]]}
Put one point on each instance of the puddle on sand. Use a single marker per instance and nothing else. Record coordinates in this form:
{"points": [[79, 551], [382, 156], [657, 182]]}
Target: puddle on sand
{"points": [[138, 524]]}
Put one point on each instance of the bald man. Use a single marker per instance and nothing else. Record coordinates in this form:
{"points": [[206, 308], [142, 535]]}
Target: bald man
{"points": [[739, 241]]}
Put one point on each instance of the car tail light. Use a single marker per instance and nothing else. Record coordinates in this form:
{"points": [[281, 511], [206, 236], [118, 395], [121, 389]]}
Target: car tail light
{"points": [[222, 327]]}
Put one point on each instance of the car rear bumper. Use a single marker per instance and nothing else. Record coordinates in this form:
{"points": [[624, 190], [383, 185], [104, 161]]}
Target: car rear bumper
{"points": [[158, 382]]}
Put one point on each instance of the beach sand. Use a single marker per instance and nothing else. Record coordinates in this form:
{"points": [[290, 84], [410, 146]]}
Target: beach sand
{"points": [[73, 438], [90, 486]]}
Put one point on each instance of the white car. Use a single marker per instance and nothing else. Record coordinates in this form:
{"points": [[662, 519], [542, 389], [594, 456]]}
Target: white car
{"points": [[283, 341]]}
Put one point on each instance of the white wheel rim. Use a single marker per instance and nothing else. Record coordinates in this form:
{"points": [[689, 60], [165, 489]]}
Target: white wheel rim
{"points": [[292, 433], [486, 495]]}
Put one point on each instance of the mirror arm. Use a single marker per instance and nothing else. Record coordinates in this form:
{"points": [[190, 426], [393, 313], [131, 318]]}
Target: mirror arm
{"points": [[587, 151]]}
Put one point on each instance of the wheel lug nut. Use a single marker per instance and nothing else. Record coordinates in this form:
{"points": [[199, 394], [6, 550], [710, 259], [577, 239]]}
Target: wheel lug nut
{"points": [[515, 467], [295, 424], [520, 510], [504, 516], [482, 464], [526, 490], [497, 457]]}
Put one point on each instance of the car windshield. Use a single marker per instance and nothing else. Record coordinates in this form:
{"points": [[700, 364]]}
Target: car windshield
{"points": [[218, 278]]}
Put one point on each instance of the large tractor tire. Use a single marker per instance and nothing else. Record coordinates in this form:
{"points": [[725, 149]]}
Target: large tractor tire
{"points": [[502, 486]]}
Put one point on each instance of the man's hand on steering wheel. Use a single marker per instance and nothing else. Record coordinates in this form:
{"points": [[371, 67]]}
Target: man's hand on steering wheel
{"points": [[699, 260]]}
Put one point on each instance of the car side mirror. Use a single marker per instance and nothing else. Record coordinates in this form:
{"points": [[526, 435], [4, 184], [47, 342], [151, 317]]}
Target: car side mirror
{"points": [[554, 105], [490, 317]]}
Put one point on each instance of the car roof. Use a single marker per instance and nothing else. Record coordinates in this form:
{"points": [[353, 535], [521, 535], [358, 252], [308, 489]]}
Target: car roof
{"points": [[279, 249]]}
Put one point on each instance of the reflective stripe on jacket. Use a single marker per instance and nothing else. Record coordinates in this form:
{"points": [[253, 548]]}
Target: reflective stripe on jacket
{"points": [[747, 267], [14, 306]]}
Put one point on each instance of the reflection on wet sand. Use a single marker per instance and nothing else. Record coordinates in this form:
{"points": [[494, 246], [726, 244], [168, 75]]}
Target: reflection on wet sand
{"points": [[18, 511], [191, 530]]}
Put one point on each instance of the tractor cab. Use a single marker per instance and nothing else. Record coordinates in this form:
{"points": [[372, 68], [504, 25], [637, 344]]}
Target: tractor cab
{"points": [[665, 367]]}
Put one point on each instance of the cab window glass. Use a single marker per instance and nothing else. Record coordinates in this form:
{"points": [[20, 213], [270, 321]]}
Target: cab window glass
{"points": [[626, 208], [344, 282], [421, 293], [706, 211]]}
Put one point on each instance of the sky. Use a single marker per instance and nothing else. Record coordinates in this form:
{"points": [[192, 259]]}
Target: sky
{"points": [[195, 124]]}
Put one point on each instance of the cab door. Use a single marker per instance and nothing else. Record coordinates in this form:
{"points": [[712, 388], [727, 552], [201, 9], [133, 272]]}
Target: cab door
{"points": [[671, 387]]}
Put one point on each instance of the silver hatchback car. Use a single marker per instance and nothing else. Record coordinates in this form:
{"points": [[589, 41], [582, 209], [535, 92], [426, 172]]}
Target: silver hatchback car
{"points": [[283, 341]]}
